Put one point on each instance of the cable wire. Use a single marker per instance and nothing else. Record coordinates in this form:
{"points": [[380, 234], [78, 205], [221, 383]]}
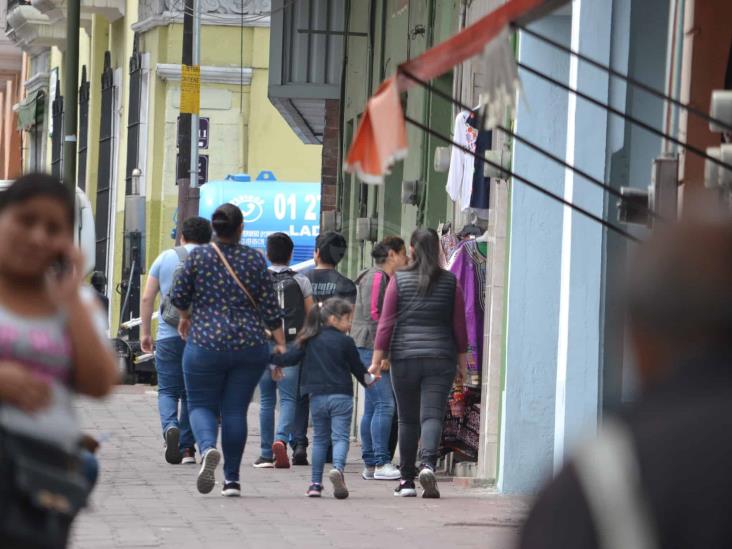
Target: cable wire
{"points": [[629, 79]]}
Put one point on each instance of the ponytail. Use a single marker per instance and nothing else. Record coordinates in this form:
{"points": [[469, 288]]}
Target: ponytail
{"points": [[319, 315]]}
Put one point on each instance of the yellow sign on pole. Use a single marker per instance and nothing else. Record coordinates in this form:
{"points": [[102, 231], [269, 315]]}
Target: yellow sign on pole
{"points": [[190, 89]]}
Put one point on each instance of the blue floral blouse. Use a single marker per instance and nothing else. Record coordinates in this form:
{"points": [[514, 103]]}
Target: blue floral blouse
{"points": [[223, 318]]}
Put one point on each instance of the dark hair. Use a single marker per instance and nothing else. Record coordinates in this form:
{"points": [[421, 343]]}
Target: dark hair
{"points": [[332, 247], [197, 230], [35, 185], [227, 220], [98, 280], [279, 248], [426, 260], [380, 253], [319, 315]]}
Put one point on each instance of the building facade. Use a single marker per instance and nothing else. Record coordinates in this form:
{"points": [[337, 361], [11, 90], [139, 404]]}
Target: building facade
{"points": [[130, 71]]}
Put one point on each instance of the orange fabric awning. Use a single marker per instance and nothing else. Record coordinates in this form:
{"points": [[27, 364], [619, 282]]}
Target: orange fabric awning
{"points": [[381, 137]]}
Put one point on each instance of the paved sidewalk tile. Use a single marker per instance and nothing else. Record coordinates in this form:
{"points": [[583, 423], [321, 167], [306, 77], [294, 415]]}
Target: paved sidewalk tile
{"points": [[141, 501]]}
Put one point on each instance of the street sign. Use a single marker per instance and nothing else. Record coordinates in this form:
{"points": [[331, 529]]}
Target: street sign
{"points": [[203, 125], [202, 168], [190, 89]]}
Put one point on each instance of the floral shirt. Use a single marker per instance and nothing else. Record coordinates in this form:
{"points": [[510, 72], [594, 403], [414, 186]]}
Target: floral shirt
{"points": [[223, 318]]}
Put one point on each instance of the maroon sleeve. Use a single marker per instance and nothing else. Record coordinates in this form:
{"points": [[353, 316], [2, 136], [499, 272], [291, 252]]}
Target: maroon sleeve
{"points": [[388, 318], [459, 330]]}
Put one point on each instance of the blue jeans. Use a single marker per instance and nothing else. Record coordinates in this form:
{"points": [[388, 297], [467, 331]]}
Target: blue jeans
{"points": [[377, 418], [222, 382], [331, 422], [89, 467], [172, 390], [288, 403]]}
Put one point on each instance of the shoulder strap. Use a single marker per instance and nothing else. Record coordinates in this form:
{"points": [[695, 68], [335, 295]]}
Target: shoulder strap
{"points": [[181, 252], [233, 274]]}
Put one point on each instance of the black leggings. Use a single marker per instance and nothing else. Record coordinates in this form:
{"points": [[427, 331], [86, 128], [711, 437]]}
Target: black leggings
{"points": [[422, 387]]}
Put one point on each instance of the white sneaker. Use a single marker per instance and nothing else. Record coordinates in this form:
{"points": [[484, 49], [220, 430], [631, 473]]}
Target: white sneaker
{"points": [[367, 473], [206, 479], [387, 472]]}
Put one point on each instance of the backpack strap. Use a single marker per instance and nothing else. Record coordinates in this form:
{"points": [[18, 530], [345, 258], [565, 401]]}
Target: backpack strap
{"points": [[181, 252]]}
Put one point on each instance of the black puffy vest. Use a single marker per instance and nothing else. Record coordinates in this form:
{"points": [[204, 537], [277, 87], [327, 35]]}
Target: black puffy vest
{"points": [[424, 323]]}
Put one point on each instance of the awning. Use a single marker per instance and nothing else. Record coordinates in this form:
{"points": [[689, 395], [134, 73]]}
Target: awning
{"points": [[30, 110], [381, 137]]}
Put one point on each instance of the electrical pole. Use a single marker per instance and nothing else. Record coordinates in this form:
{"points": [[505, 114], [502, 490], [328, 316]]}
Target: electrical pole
{"points": [[194, 117], [71, 86]]}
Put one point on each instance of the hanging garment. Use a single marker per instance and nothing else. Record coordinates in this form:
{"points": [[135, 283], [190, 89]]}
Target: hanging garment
{"points": [[449, 243], [460, 175], [481, 185]]}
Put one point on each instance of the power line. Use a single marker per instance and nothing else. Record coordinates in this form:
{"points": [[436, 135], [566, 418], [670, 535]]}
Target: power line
{"points": [[630, 80], [524, 180]]}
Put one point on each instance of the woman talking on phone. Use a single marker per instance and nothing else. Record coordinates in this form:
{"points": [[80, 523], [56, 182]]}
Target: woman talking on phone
{"points": [[52, 347], [226, 296]]}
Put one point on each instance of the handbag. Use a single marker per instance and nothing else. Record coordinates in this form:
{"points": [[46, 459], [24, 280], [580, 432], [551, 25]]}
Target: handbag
{"points": [[42, 489], [233, 275]]}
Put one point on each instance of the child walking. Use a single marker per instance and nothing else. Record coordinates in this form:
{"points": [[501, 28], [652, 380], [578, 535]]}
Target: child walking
{"points": [[328, 358]]}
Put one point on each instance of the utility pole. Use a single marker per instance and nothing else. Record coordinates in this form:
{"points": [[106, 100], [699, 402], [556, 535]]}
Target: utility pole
{"points": [[194, 117], [187, 195], [71, 86]]}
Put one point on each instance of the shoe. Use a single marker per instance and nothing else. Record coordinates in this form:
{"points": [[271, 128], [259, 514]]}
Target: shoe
{"points": [[300, 455], [172, 452], [387, 472], [428, 481], [189, 456], [406, 489], [206, 478], [281, 461], [339, 484], [264, 463], [231, 490], [368, 473], [314, 490]]}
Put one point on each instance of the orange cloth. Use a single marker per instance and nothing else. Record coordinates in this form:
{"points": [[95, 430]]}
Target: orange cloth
{"points": [[381, 137]]}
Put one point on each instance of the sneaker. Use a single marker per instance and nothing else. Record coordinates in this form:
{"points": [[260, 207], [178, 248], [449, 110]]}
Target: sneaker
{"points": [[172, 452], [264, 463], [339, 484], [206, 478], [231, 490], [314, 490], [428, 481], [189, 456], [406, 489], [300, 455], [368, 473], [387, 472], [281, 461]]}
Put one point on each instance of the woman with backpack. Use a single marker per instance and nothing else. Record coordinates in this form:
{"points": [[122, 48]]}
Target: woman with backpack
{"points": [[389, 255], [226, 298], [422, 327]]}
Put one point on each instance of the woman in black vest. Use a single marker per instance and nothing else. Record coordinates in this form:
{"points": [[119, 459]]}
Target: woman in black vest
{"points": [[422, 329]]}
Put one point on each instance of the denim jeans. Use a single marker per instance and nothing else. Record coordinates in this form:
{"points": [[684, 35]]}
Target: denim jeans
{"points": [[332, 416], [222, 382], [377, 418], [302, 415], [172, 390], [288, 403], [421, 386]]}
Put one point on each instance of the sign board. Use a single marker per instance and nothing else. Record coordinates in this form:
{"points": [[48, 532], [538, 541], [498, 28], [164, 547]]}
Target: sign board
{"points": [[202, 168], [203, 125], [269, 207], [190, 89]]}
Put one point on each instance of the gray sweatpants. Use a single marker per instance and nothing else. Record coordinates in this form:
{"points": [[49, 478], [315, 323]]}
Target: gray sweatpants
{"points": [[421, 387]]}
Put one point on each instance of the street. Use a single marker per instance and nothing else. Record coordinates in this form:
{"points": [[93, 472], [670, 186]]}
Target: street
{"points": [[141, 501]]}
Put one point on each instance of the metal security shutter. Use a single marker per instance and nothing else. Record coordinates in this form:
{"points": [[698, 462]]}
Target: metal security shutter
{"points": [[57, 112], [83, 129], [104, 178]]}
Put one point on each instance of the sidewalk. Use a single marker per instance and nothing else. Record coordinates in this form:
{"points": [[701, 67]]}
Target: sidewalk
{"points": [[143, 502]]}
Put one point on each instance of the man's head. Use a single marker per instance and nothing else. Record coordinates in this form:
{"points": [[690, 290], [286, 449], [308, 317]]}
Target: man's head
{"points": [[279, 248], [196, 230], [680, 296], [330, 247]]}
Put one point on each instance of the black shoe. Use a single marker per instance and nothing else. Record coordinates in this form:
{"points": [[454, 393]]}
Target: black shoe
{"points": [[406, 489], [173, 454], [300, 455], [264, 463], [428, 481], [231, 490]]}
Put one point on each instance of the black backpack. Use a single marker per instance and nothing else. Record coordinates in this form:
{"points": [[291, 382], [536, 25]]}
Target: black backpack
{"points": [[292, 302]]}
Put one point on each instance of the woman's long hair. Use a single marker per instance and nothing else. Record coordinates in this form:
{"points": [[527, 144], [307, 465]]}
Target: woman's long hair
{"points": [[319, 315], [426, 259]]}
